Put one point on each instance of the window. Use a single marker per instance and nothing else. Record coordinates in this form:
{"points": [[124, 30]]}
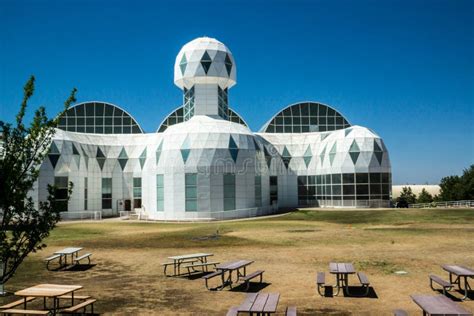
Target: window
{"points": [[61, 193], [106, 193], [229, 191], [137, 192], [98, 118], [190, 192], [86, 184], [160, 193], [258, 191]]}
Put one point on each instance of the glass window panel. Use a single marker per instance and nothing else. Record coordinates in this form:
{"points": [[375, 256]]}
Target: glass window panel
{"points": [[336, 189], [362, 177], [336, 178], [348, 189], [348, 178], [374, 177], [375, 189], [362, 189]]}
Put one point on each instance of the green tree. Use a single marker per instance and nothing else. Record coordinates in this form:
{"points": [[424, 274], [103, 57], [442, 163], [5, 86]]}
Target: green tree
{"points": [[23, 226], [424, 197], [407, 195], [467, 184], [450, 188]]}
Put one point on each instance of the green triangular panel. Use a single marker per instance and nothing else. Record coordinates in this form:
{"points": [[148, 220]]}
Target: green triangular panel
{"points": [[77, 159], [307, 156], [54, 149], [123, 154], [323, 153], [123, 162], [101, 162], [324, 136], [228, 64], [183, 64], [206, 62], [332, 153], [354, 156], [257, 147], [376, 146], [347, 131], [74, 150], [142, 158], [185, 154], [100, 154], [185, 144], [268, 157], [379, 156], [233, 149], [286, 157], [54, 159], [354, 147], [84, 152], [232, 144]]}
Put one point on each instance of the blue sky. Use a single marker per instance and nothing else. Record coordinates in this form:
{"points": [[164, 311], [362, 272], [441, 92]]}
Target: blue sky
{"points": [[402, 68]]}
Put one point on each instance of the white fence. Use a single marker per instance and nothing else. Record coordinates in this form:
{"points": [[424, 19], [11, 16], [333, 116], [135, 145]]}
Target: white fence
{"points": [[449, 204], [83, 216]]}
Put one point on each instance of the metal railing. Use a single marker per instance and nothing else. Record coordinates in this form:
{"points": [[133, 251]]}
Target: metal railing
{"points": [[448, 204]]}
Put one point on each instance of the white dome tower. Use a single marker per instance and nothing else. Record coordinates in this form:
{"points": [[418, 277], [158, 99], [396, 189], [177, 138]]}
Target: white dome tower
{"points": [[205, 70]]}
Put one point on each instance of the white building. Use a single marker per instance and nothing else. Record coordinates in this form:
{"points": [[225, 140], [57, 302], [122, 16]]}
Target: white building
{"points": [[204, 162]]}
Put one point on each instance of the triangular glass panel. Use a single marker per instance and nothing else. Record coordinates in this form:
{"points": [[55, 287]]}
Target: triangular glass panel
{"points": [[54, 159], [123, 158], [54, 149], [307, 156], [74, 150], [268, 157], [123, 154], [323, 153], [206, 62], [323, 136], [142, 158], [185, 154], [183, 64], [228, 64], [332, 153], [100, 157], [354, 152], [257, 147], [347, 131], [233, 149], [158, 152], [77, 159], [378, 152], [286, 157]]}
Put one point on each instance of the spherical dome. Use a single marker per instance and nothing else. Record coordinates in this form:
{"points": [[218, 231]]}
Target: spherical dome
{"points": [[204, 60]]}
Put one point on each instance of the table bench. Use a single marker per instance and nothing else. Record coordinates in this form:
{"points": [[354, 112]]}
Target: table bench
{"points": [[364, 281], [76, 297], [51, 258], [260, 303], [439, 305], [233, 311], [210, 276], [447, 286], [23, 312], [251, 276], [320, 282], [87, 255], [17, 303], [83, 305], [202, 265]]}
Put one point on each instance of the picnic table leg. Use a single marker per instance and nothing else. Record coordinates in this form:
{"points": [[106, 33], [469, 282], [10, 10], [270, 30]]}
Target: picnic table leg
{"points": [[24, 303], [466, 288]]}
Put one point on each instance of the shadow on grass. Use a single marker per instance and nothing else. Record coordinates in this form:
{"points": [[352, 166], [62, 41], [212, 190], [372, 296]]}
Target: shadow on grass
{"points": [[254, 287], [354, 291], [79, 267], [457, 298]]}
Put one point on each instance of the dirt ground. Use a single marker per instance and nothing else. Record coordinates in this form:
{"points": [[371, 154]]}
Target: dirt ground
{"points": [[126, 276]]}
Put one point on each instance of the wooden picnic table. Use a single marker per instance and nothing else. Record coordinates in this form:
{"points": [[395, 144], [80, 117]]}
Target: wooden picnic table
{"points": [[48, 291], [260, 303], [439, 305], [342, 271], [230, 267], [179, 260], [461, 272], [72, 251]]}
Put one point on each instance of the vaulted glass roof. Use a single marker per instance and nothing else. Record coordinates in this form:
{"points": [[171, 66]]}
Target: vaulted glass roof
{"points": [[98, 118], [306, 117]]}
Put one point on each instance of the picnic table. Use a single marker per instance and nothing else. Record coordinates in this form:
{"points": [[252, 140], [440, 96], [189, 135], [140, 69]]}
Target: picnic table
{"points": [[45, 291], [342, 271], [230, 267], [460, 272], [260, 303], [439, 305], [72, 251], [179, 260]]}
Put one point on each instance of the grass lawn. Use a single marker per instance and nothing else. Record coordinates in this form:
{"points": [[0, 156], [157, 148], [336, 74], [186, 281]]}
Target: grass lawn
{"points": [[128, 278]]}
